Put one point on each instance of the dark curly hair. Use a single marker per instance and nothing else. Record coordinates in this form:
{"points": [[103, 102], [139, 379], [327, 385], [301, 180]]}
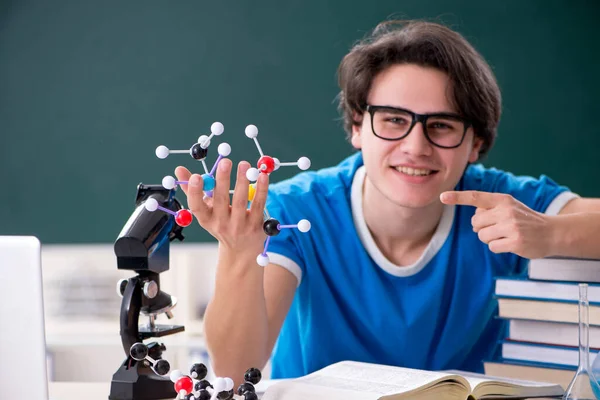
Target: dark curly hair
{"points": [[475, 92]]}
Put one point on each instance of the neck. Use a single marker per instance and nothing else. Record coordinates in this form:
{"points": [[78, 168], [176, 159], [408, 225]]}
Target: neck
{"points": [[401, 233]]}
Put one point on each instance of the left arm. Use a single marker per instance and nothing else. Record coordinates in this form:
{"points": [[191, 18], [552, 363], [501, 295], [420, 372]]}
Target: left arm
{"points": [[507, 225]]}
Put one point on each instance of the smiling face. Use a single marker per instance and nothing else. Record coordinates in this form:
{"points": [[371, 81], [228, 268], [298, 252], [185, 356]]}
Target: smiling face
{"points": [[412, 172]]}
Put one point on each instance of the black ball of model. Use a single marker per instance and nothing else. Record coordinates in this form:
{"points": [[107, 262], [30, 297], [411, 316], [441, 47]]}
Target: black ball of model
{"points": [[198, 371], [198, 152], [245, 387], [271, 227], [138, 351], [225, 395], [250, 396], [202, 385], [162, 367], [203, 395], [253, 375]]}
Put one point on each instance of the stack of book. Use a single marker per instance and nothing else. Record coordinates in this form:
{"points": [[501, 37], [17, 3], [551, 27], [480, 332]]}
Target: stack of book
{"points": [[542, 343]]}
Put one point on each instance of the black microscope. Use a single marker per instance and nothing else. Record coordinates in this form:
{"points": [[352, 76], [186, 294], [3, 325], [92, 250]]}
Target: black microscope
{"points": [[143, 247]]}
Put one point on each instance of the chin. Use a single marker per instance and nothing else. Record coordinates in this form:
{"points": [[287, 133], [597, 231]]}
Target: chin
{"points": [[414, 202], [412, 198]]}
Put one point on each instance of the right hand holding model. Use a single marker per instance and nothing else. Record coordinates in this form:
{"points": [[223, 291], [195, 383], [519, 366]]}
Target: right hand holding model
{"points": [[236, 226]]}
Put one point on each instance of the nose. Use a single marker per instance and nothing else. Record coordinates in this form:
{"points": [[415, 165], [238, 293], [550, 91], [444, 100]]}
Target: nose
{"points": [[416, 143]]}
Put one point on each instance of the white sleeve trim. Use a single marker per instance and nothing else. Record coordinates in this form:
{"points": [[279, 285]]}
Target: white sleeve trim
{"points": [[559, 202], [287, 263]]}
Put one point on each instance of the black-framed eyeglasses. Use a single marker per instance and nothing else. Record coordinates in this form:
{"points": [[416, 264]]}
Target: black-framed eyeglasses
{"points": [[445, 130]]}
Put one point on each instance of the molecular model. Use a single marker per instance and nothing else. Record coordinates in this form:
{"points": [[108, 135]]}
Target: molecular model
{"points": [[266, 165], [194, 386], [198, 151]]}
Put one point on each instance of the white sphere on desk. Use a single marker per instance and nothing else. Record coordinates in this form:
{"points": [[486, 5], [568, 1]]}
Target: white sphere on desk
{"points": [[251, 131], [151, 204], [304, 225], [219, 385], [204, 141], [252, 174], [304, 163], [262, 260], [228, 384], [217, 128], [224, 149], [175, 375], [168, 182], [162, 151]]}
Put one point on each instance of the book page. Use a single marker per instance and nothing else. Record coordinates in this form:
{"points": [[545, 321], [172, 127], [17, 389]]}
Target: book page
{"points": [[489, 385], [262, 386], [475, 379], [370, 381], [296, 390]]}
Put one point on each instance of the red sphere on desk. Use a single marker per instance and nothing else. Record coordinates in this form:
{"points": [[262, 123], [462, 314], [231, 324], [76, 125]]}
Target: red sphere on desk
{"points": [[184, 217], [266, 164], [184, 383]]}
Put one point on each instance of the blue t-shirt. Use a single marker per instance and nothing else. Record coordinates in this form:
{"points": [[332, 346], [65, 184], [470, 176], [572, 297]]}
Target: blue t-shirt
{"points": [[351, 303]]}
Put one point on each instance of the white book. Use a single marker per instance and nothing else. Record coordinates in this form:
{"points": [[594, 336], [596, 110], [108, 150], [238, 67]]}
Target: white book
{"points": [[349, 380], [515, 287], [565, 269], [545, 310], [556, 333], [543, 353]]}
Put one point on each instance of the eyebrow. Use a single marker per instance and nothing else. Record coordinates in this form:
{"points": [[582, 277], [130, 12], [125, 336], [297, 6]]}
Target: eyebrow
{"points": [[451, 112]]}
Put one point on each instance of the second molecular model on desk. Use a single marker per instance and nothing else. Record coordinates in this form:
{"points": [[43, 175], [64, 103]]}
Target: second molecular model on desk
{"points": [[195, 386]]}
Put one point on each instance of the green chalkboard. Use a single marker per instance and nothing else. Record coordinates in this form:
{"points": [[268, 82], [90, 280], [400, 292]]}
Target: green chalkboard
{"points": [[89, 89]]}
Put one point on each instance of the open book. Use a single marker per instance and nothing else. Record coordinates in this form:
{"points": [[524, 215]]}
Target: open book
{"points": [[349, 380]]}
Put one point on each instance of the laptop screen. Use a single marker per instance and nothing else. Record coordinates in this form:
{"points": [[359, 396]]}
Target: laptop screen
{"points": [[23, 370]]}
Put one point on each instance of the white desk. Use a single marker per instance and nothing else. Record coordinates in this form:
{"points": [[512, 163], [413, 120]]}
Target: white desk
{"points": [[79, 390], [100, 390]]}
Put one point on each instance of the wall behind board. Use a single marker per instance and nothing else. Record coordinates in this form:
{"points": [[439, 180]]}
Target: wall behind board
{"points": [[89, 89]]}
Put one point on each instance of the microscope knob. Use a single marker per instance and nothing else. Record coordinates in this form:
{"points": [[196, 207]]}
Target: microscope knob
{"points": [[150, 289], [121, 285]]}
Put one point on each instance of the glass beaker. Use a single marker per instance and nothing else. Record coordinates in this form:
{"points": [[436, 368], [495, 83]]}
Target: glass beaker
{"points": [[595, 373], [584, 385]]}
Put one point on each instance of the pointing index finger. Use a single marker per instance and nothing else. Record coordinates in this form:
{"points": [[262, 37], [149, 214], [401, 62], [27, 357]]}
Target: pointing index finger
{"points": [[470, 198]]}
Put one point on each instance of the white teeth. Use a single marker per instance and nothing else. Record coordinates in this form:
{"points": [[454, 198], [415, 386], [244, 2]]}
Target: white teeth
{"points": [[414, 171]]}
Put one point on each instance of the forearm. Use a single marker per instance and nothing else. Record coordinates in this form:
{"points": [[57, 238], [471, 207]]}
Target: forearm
{"points": [[235, 322], [576, 235]]}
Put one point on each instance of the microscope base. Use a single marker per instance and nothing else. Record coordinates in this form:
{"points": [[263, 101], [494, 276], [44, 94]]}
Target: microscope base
{"points": [[140, 383]]}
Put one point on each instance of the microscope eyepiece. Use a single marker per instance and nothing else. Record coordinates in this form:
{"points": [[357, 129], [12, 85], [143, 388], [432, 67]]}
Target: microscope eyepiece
{"points": [[143, 243]]}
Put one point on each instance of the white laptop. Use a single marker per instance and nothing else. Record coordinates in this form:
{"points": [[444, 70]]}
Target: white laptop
{"points": [[23, 370]]}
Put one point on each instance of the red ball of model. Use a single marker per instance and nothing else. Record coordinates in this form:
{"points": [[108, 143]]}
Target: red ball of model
{"points": [[184, 383], [266, 164], [184, 217]]}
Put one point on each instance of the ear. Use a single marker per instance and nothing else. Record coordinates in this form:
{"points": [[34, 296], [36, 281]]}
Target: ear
{"points": [[356, 133], [474, 154]]}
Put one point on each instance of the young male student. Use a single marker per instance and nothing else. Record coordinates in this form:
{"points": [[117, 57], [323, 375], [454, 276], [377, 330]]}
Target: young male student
{"points": [[407, 234]]}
